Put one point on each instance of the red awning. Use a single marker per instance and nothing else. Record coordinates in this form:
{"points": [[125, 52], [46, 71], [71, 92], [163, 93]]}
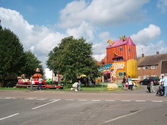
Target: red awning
{"points": [[117, 56]]}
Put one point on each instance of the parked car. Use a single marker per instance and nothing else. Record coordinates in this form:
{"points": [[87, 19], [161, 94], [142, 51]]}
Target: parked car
{"points": [[145, 81]]}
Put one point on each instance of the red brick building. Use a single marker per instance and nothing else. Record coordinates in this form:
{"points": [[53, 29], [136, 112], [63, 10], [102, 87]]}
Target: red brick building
{"points": [[152, 66]]}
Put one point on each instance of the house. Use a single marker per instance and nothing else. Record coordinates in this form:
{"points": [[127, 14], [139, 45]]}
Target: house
{"points": [[120, 60], [123, 49], [152, 66]]}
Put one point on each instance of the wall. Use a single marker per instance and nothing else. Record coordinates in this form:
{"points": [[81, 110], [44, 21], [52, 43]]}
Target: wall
{"points": [[128, 52], [149, 71]]}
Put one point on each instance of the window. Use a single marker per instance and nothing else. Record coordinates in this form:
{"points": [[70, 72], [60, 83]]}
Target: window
{"points": [[139, 78], [153, 75], [153, 67], [138, 68], [145, 67], [120, 48], [128, 49], [120, 74], [145, 76]]}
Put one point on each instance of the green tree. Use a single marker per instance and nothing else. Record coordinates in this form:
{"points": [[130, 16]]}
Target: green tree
{"points": [[12, 57], [73, 57], [31, 63]]}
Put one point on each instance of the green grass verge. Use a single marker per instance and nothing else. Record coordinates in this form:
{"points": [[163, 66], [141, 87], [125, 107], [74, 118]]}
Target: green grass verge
{"points": [[99, 87]]}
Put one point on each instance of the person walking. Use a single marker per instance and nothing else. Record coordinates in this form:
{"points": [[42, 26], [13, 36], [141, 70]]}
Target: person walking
{"points": [[165, 84]]}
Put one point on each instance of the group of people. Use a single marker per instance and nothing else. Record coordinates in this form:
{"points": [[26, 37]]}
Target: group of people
{"points": [[162, 89], [150, 85], [32, 80], [127, 83]]}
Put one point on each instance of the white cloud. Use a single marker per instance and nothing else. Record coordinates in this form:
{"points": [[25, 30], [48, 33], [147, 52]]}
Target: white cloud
{"points": [[146, 35], [71, 14], [151, 48], [162, 4], [101, 12], [99, 48], [85, 29], [39, 39], [104, 36], [82, 18], [144, 38]]}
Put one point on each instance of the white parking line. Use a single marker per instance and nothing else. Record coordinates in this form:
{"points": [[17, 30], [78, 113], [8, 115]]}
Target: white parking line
{"points": [[44, 104], [9, 116]]}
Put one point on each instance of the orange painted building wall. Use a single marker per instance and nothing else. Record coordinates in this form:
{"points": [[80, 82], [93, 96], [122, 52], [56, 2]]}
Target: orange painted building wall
{"points": [[128, 52]]}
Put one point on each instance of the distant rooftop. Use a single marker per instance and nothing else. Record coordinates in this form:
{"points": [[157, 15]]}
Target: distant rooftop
{"points": [[151, 60]]}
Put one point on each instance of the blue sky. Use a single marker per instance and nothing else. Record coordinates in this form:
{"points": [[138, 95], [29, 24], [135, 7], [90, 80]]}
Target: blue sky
{"points": [[41, 24]]}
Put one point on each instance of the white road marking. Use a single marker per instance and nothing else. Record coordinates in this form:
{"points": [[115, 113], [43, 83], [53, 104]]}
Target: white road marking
{"points": [[8, 98], [9, 116], [95, 100], [119, 117], [83, 100], [156, 101], [110, 100], [53, 99], [41, 99], [69, 99], [126, 100], [140, 100], [30, 98], [45, 104]]}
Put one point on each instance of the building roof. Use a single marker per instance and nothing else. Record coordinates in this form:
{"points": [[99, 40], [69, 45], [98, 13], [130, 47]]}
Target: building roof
{"points": [[121, 42], [151, 60]]}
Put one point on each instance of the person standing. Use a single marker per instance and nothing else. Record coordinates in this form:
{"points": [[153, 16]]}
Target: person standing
{"points": [[130, 83], [32, 82], [79, 85], [123, 83], [165, 84], [149, 85], [40, 83]]}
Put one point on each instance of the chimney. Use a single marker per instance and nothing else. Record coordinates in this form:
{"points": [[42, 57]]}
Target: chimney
{"points": [[157, 52], [142, 55]]}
